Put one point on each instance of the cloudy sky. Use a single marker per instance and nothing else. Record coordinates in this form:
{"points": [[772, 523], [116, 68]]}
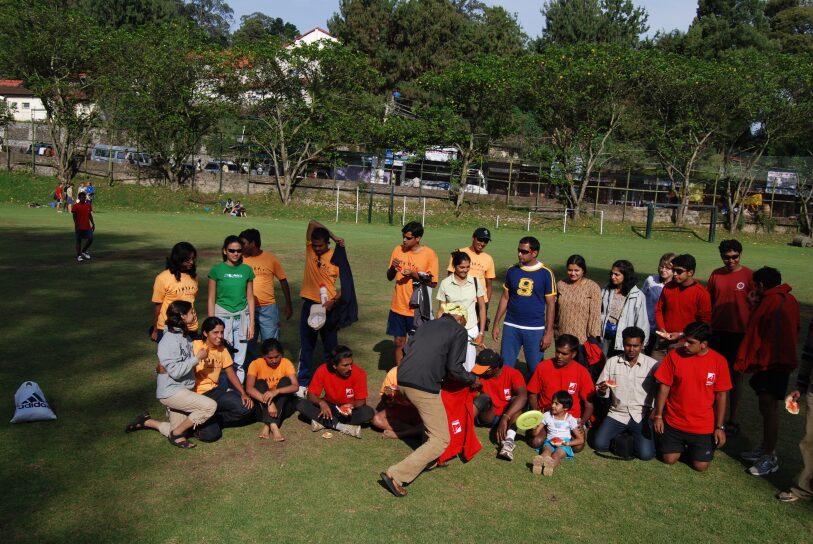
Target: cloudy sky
{"points": [[306, 14]]}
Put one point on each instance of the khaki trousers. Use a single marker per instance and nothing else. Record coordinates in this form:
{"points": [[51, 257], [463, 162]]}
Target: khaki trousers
{"points": [[804, 481], [433, 413], [186, 404]]}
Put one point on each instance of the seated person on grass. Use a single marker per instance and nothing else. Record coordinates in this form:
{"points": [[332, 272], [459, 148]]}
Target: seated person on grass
{"points": [[563, 434], [239, 210], [506, 394], [694, 385], [561, 372], [233, 405], [344, 404], [229, 206], [395, 415], [627, 379], [271, 381]]}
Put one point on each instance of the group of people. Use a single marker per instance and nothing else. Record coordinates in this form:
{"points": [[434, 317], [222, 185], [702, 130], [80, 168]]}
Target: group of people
{"points": [[635, 371], [234, 208], [63, 195]]}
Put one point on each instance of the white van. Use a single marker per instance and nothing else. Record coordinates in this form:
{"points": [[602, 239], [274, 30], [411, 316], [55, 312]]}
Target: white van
{"points": [[119, 154]]}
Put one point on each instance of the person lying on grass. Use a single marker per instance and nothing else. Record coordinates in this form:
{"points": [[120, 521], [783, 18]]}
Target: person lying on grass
{"points": [[396, 416], [271, 381], [178, 360], [344, 404], [562, 431]]}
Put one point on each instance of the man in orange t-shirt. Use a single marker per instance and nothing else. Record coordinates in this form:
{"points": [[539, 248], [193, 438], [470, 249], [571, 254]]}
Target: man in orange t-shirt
{"points": [[266, 267], [410, 264], [319, 272]]}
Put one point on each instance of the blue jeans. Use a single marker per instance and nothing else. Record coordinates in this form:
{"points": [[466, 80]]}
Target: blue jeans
{"points": [[644, 443], [266, 325], [307, 342], [233, 335], [514, 338]]}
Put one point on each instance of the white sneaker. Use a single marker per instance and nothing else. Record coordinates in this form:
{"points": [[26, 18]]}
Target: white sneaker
{"points": [[86, 255], [767, 464], [316, 426], [507, 450], [352, 430], [302, 392], [79, 258]]}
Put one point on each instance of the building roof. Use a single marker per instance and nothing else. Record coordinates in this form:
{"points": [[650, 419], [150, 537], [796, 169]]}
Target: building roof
{"points": [[13, 87]]}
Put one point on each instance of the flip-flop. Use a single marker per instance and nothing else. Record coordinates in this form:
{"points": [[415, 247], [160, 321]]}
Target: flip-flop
{"points": [[392, 485], [138, 423], [183, 444]]}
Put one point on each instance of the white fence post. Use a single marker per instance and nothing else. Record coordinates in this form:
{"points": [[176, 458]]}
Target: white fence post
{"points": [[529, 221], [403, 215], [357, 204], [423, 214], [337, 203]]}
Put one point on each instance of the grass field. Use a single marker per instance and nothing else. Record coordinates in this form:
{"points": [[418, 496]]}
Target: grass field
{"points": [[80, 331]]}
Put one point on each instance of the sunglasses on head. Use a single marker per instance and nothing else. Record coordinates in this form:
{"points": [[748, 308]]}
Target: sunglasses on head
{"points": [[230, 250]]}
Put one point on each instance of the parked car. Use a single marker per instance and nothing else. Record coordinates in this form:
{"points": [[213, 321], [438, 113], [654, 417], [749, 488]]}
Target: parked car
{"points": [[476, 189], [41, 148], [216, 166]]}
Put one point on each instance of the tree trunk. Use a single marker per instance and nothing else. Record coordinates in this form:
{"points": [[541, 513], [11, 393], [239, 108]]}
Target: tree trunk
{"points": [[461, 189]]}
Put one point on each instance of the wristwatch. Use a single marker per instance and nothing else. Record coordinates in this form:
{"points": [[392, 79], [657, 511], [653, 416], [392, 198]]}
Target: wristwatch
{"points": [[720, 428]]}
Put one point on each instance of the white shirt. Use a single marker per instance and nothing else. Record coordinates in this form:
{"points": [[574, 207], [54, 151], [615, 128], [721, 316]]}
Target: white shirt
{"points": [[559, 428], [635, 390]]}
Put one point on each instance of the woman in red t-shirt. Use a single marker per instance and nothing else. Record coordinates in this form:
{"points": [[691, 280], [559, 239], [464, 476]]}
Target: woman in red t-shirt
{"points": [[343, 406]]}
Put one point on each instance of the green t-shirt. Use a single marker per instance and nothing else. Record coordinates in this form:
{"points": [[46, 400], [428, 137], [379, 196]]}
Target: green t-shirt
{"points": [[231, 285]]}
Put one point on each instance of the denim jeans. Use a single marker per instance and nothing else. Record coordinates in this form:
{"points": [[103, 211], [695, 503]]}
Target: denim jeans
{"points": [[644, 443], [230, 410], [307, 343], [266, 325], [514, 338]]}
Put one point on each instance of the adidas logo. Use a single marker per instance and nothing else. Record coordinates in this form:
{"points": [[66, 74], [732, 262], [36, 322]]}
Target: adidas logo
{"points": [[34, 401]]}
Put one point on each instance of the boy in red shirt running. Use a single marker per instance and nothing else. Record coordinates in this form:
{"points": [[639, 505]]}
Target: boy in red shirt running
{"points": [[84, 226], [694, 385]]}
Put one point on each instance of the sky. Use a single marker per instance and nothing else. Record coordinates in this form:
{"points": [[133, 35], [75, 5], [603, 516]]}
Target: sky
{"points": [[306, 14]]}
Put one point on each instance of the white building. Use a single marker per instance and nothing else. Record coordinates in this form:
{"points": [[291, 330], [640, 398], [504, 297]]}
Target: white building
{"points": [[21, 101]]}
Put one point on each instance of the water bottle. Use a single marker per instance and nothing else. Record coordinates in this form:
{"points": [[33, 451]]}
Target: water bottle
{"points": [[323, 294]]}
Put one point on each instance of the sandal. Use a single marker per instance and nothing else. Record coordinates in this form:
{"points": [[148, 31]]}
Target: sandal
{"points": [[392, 486], [138, 423], [184, 444]]}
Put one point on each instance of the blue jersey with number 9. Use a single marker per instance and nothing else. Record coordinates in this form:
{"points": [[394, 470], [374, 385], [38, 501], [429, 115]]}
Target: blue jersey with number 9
{"points": [[527, 289]]}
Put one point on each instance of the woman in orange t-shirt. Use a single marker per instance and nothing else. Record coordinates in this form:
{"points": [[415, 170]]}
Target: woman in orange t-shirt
{"points": [[271, 381], [179, 281]]}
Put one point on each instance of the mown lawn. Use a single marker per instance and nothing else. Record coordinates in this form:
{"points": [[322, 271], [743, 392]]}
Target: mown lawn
{"points": [[80, 331]]}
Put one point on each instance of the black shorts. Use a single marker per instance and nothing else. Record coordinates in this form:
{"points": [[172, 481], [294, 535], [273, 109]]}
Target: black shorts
{"points": [[727, 344], [772, 382], [699, 446]]}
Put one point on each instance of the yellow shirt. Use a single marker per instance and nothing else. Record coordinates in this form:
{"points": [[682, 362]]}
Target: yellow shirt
{"points": [[318, 271], [391, 381], [482, 266], [207, 371], [266, 267], [167, 290], [261, 371], [426, 260]]}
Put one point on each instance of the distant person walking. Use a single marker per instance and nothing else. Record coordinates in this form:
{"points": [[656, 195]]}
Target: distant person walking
{"points": [[84, 227]]}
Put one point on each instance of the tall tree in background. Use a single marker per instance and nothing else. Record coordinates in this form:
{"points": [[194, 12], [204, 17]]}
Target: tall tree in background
{"points": [[724, 25], [214, 17], [55, 50], [792, 25], [259, 27], [165, 102], [570, 22], [132, 14]]}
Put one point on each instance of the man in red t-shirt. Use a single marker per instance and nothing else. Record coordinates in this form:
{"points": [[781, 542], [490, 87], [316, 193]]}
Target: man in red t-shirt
{"points": [[729, 286], [694, 384], [683, 301], [558, 374], [503, 398], [83, 226]]}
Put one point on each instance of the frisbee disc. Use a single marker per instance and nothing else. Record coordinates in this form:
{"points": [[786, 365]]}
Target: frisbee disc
{"points": [[529, 420]]}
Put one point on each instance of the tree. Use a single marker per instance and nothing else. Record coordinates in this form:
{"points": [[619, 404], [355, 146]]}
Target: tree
{"points": [[682, 104], [723, 25], [569, 22], [471, 106], [303, 102], [792, 25], [214, 17], [55, 49], [132, 14], [578, 98], [162, 91], [6, 119], [259, 27]]}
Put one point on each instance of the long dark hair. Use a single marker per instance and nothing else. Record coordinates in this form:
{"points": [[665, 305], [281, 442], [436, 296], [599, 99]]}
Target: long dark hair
{"points": [[182, 252], [628, 271], [175, 313], [231, 239]]}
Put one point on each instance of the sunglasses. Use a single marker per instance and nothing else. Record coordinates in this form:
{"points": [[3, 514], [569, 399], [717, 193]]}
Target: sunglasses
{"points": [[730, 257], [409, 237], [483, 240], [678, 270], [234, 250], [523, 251]]}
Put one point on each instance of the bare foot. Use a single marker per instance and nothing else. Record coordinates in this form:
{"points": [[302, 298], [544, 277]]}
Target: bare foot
{"points": [[276, 434], [389, 433], [264, 434]]}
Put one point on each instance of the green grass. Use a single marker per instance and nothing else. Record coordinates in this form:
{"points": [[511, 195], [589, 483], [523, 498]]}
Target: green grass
{"points": [[79, 330]]}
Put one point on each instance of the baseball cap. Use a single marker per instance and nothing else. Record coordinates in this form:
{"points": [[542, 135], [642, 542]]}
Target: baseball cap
{"points": [[486, 360], [483, 233]]}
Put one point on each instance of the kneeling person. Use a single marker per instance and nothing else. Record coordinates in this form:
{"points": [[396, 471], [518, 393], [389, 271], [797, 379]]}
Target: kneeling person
{"points": [[694, 385], [271, 381], [503, 398], [396, 416], [344, 404], [628, 380]]}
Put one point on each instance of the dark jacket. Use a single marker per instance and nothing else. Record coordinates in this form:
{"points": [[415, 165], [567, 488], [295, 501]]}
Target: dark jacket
{"points": [[346, 310], [437, 350]]}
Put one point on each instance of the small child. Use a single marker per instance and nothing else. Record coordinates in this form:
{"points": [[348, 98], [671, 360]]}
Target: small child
{"points": [[653, 285], [562, 433], [271, 381]]}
